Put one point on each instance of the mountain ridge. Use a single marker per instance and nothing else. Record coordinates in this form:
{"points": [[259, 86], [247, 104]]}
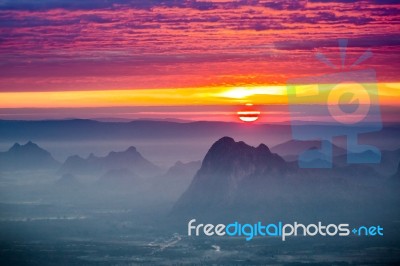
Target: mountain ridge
{"points": [[224, 169], [28, 156], [129, 159], [236, 179]]}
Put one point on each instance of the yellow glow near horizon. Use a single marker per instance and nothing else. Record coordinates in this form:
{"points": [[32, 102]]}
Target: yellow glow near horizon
{"points": [[104, 98], [389, 93], [244, 92], [138, 97]]}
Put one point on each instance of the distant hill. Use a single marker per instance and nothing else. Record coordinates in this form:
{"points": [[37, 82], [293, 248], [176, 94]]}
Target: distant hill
{"points": [[81, 129], [129, 159], [182, 170], [170, 185], [387, 166], [291, 150], [27, 157], [295, 147], [119, 179]]}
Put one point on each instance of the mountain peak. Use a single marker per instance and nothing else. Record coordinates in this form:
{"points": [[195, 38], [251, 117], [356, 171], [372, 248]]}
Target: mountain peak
{"points": [[227, 168], [130, 159], [29, 146], [227, 149], [225, 140], [178, 164], [224, 144], [131, 149], [27, 156], [263, 148], [15, 146]]}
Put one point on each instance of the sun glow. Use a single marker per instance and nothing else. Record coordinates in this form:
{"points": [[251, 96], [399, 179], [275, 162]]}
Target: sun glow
{"points": [[244, 92], [248, 113], [259, 95]]}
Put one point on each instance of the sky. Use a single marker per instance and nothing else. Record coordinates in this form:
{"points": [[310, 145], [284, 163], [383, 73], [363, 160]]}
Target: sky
{"points": [[191, 60]]}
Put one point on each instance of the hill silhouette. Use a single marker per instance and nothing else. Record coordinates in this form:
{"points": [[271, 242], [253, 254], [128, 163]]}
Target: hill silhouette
{"points": [[129, 159], [27, 157]]}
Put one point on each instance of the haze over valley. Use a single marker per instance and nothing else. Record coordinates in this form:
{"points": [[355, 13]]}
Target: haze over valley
{"points": [[108, 194]]}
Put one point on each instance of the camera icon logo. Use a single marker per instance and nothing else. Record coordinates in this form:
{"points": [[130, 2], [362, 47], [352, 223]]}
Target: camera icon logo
{"points": [[347, 103]]}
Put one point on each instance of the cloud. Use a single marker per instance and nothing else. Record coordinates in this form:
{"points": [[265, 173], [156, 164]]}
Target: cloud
{"points": [[286, 4], [376, 2], [183, 43], [371, 41], [203, 5], [90, 5], [79, 4]]}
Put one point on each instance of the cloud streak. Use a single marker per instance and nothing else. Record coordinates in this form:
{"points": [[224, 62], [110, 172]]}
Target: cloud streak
{"points": [[56, 45]]}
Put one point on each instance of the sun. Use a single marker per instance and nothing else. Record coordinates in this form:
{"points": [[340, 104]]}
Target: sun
{"points": [[248, 113]]}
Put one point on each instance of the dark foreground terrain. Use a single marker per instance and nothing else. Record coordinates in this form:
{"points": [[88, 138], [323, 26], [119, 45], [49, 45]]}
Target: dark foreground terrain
{"points": [[102, 236]]}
